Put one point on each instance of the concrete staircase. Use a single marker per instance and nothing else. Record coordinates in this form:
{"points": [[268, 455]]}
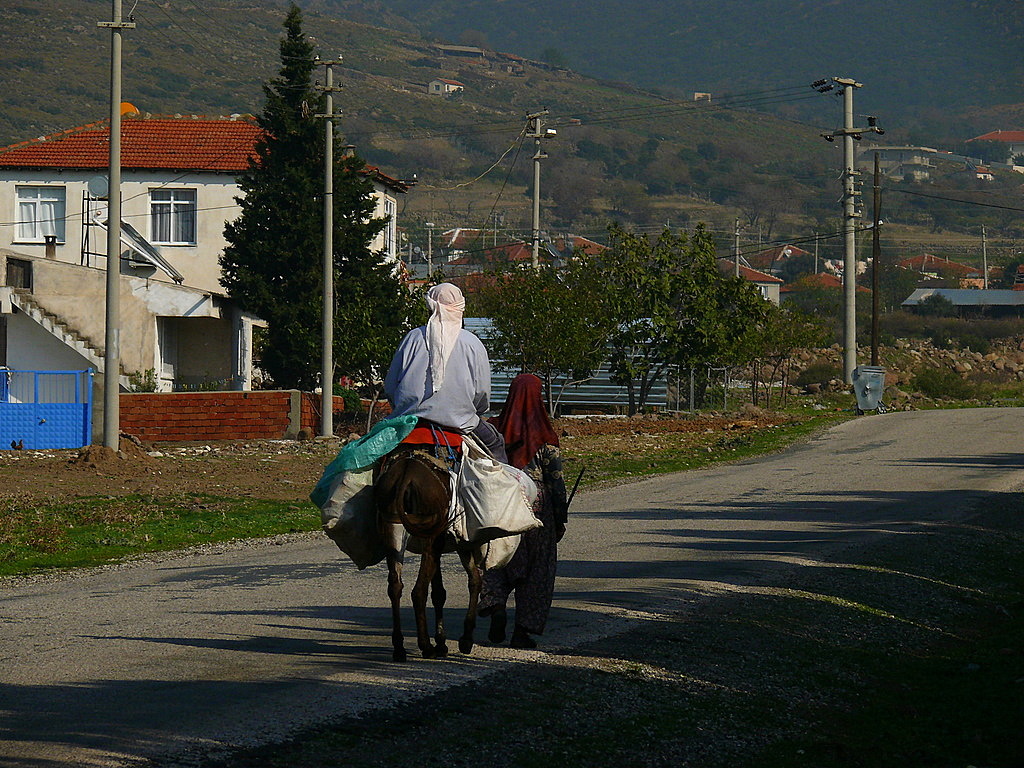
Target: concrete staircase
{"points": [[59, 329]]}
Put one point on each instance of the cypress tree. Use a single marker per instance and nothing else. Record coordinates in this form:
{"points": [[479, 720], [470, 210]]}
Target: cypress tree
{"points": [[272, 264]]}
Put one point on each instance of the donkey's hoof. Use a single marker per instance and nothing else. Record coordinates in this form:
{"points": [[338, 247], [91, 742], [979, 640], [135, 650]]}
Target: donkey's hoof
{"points": [[399, 655], [466, 645], [440, 651]]}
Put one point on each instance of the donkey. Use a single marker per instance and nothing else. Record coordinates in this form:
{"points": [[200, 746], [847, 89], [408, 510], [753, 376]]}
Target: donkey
{"points": [[412, 492]]}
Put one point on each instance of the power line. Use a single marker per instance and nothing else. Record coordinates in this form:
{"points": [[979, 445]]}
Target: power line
{"points": [[956, 200]]}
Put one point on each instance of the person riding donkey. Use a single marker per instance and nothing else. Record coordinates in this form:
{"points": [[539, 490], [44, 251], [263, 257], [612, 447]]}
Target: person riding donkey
{"points": [[441, 373]]}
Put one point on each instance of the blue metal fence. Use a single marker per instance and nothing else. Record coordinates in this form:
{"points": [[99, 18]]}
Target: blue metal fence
{"points": [[599, 393], [45, 409]]}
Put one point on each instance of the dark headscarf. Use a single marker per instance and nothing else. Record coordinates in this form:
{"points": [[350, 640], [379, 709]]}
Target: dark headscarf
{"points": [[524, 421]]}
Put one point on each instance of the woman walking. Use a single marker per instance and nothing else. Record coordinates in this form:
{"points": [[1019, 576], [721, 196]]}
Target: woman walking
{"points": [[532, 445]]}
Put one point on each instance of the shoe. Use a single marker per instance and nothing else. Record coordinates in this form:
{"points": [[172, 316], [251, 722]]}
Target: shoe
{"points": [[521, 639], [498, 621]]}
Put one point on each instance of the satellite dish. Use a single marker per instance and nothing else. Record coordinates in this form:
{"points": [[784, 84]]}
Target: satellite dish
{"points": [[98, 186]]}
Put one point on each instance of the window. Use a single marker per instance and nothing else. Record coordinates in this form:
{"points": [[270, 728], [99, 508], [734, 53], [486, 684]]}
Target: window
{"points": [[173, 216], [390, 228], [41, 213], [19, 273]]}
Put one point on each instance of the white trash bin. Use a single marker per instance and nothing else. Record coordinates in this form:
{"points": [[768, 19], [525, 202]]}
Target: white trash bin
{"points": [[869, 386]]}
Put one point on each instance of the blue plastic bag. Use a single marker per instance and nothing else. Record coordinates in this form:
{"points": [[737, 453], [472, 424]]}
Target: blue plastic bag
{"points": [[361, 454]]}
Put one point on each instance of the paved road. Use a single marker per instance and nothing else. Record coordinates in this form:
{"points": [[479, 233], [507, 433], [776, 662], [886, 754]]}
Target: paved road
{"points": [[242, 644]]}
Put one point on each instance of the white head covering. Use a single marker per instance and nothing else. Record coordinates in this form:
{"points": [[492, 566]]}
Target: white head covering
{"points": [[446, 304]]}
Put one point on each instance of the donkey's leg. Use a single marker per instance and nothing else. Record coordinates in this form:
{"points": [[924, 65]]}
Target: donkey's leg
{"points": [[438, 596], [419, 598], [471, 560], [394, 537], [395, 593]]}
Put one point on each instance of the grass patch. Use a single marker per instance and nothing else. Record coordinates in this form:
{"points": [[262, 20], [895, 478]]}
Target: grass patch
{"points": [[640, 455], [97, 530]]}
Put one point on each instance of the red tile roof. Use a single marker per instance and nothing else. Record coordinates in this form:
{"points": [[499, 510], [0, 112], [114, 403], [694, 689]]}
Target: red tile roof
{"points": [[1010, 137], [728, 267], [770, 256], [588, 247], [927, 262], [147, 142], [819, 280]]}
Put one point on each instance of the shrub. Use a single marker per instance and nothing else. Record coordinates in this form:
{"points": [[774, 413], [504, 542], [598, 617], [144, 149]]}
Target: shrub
{"points": [[817, 373], [353, 403], [942, 383]]}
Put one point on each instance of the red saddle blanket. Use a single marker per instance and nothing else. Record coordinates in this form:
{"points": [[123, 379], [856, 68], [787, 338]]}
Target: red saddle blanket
{"points": [[433, 436]]}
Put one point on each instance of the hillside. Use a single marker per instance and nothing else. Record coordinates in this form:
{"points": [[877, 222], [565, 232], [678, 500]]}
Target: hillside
{"points": [[621, 152], [926, 64]]}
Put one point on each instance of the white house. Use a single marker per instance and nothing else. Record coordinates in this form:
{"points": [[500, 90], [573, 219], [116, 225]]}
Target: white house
{"points": [[442, 87], [178, 190], [899, 162], [1013, 140]]}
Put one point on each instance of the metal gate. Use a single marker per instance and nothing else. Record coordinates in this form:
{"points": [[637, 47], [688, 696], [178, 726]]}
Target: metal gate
{"points": [[45, 409]]}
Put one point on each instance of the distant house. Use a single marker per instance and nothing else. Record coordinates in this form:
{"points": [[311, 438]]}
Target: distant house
{"points": [[1000, 302], [462, 51], [768, 259], [899, 162], [442, 87], [178, 190], [567, 245], [820, 281], [511, 63], [1014, 141], [768, 285], [964, 275], [982, 173]]}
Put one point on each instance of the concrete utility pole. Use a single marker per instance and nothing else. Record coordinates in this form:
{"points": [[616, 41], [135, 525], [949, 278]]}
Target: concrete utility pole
{"points": [[849, 133], [876, 259], [984, 256], [430, 249], [736, 246], [327, 319], [112, 342], [537, 132]]}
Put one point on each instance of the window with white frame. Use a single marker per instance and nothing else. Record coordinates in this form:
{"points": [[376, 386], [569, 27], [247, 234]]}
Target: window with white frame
{"points": [[172, 219], [41, 213], [391, 227]]}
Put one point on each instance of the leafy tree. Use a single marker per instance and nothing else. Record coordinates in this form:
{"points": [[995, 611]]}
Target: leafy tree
{"points": [[936, 305], [273, 261], [546, 322], [672, 306], [780, 332]]}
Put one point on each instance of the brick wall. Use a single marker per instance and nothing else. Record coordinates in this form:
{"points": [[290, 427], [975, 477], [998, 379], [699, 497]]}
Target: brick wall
{"points": [[182, 416]]}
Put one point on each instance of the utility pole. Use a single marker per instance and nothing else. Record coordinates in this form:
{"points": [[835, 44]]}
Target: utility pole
{"points": [[327, 316], [876, 260], [984, 256], [849, 133], [815, 253], [536, 131], [112, 341], [736, 246], [430, 249]]}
